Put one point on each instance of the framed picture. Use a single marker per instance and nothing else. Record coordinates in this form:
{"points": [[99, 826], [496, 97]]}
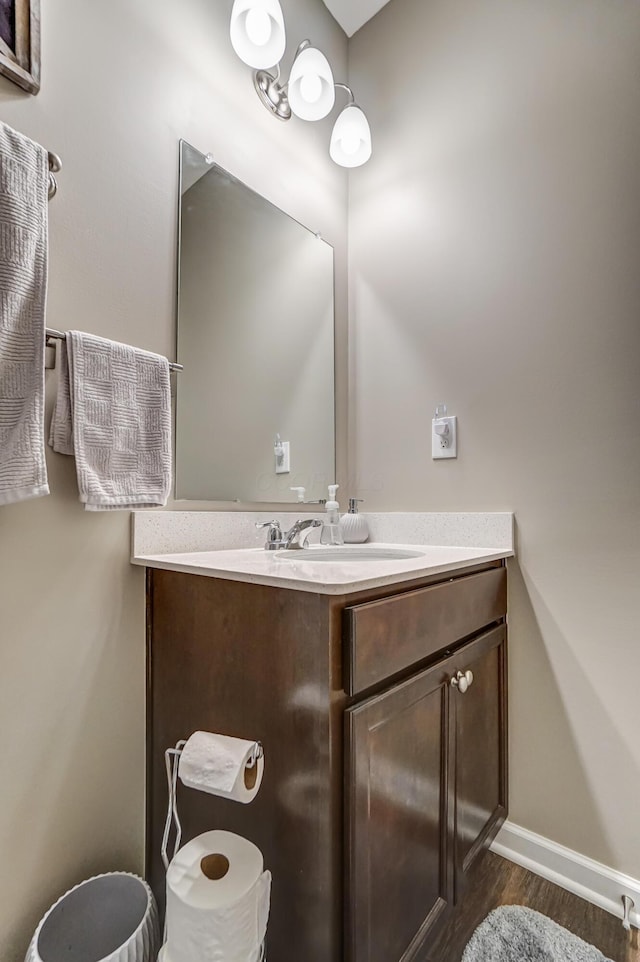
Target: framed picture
{"points": [[20, 43]]}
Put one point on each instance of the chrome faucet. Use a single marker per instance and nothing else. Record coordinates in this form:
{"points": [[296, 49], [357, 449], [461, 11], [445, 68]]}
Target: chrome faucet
{"points": [[292, 540]]}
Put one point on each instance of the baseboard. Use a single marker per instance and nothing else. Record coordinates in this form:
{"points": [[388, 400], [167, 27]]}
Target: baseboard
{"points": [[597, 883]]}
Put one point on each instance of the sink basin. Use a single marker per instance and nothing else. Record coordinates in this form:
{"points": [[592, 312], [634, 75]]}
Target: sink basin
{"points": [[349, 553]]}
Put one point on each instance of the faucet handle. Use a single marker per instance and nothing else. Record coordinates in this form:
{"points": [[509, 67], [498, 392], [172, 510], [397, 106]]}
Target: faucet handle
{"points": [[274, 534]]}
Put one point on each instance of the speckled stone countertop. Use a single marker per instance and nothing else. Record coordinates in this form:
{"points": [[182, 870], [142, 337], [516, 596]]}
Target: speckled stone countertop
{"points": [[217, 545]]}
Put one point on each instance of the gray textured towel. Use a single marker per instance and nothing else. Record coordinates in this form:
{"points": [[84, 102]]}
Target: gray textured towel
{"points": [[113, 413], [24, 179], [514, 933]]}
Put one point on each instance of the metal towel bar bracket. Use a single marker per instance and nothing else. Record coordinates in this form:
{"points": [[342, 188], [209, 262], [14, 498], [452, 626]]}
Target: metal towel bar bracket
{"points": [[55, 164]]}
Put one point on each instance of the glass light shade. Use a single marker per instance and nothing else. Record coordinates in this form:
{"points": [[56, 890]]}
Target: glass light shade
{"points": [[257, 32], [311, 91], [351, 138]]}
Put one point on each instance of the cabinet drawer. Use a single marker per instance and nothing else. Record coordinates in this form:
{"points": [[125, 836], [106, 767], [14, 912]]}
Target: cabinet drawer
{"points": [[384, 637]]}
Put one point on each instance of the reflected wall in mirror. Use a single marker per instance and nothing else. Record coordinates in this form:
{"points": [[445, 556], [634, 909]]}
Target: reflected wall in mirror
{"points": [[256, 338]]}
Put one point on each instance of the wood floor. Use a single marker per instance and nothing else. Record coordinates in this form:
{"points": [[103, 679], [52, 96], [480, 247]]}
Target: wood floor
{"points": [[499, 882]]}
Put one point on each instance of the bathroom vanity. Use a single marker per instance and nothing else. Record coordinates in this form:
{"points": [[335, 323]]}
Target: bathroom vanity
{"points": [[381, 703]]}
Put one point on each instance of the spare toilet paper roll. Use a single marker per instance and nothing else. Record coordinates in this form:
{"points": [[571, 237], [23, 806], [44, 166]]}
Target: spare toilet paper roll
{"points": [[217, 900], [218, 764]]}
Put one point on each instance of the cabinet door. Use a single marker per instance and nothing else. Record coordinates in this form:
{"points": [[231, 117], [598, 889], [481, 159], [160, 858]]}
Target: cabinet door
{"points": [[397, 806], [480, 716]]}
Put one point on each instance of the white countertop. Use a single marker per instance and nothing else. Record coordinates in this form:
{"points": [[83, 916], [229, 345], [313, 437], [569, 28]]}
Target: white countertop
{"points": [[299, 572]]}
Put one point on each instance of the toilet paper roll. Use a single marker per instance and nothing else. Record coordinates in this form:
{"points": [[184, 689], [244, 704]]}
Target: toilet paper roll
{"points": [[217, 900], [219, 765], [165, 957]]}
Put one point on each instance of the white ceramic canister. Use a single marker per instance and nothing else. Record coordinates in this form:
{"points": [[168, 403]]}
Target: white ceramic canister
{"points": [[355, 529]]}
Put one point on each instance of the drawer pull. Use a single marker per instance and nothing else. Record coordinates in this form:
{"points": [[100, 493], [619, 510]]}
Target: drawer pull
{"points": [[462, 680]]}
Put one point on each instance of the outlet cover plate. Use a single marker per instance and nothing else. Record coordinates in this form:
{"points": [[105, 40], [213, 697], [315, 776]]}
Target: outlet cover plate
{"points": [[438, 449], [284, 467]]}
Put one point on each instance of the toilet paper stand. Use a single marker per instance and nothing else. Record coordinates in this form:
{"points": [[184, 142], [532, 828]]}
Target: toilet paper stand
{"points": [[171, 761], [172, 764]]}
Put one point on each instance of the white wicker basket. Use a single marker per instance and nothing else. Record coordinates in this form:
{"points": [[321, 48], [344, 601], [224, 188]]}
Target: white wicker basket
{"points": [[107, 918]]}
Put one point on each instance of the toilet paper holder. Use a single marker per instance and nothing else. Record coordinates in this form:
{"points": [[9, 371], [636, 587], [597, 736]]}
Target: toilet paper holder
{"points": [[172, 764]]}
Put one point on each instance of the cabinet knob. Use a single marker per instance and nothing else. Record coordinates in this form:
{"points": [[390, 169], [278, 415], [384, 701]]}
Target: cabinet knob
{"points": [[462, 680]]}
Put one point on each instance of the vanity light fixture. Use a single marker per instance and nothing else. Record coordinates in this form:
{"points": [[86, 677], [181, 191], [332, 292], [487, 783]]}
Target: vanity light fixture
{"points": [[258, 37], [351, 135], [257, 32], [311, 89]]}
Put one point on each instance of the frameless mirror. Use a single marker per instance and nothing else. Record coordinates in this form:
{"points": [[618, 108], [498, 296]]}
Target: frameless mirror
{"points": [[256, 338]]}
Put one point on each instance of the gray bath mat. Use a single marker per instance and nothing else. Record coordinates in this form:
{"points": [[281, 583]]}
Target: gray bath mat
{"points": [[513, 933]]}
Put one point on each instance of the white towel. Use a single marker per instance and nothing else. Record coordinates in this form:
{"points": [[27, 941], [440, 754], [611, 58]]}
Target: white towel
{"points": [[113, 413], [24, 180]]}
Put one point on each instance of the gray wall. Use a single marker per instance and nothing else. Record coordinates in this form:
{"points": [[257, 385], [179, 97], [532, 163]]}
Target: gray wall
{"points": [[495, 265], [121, 83]]}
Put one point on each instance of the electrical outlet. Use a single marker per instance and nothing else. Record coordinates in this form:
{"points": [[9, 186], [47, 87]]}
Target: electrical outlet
{"points": [[444, 438]]}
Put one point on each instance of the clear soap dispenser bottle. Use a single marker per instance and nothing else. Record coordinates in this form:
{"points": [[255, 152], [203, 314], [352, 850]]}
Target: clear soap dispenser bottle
{"points": [[332, 529]]}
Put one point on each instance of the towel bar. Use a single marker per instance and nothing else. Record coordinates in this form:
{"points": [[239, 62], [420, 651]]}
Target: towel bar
{"points": [[53, 335]]}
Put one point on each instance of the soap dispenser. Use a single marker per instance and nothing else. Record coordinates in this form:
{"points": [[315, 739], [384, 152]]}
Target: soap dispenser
{"points": [[332, 529], [355, 529]]}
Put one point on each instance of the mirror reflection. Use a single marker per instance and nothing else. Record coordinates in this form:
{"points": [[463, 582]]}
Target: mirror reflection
{"points": [[255, 403]]}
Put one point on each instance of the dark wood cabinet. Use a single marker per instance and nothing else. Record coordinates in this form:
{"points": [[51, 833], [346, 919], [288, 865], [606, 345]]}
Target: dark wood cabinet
{"points": [[397, 806], [383, 783], [425, 792], [480, 751]]}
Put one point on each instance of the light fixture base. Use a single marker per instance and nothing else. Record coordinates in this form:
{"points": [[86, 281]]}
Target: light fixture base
{"points": [[272, 95]]}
